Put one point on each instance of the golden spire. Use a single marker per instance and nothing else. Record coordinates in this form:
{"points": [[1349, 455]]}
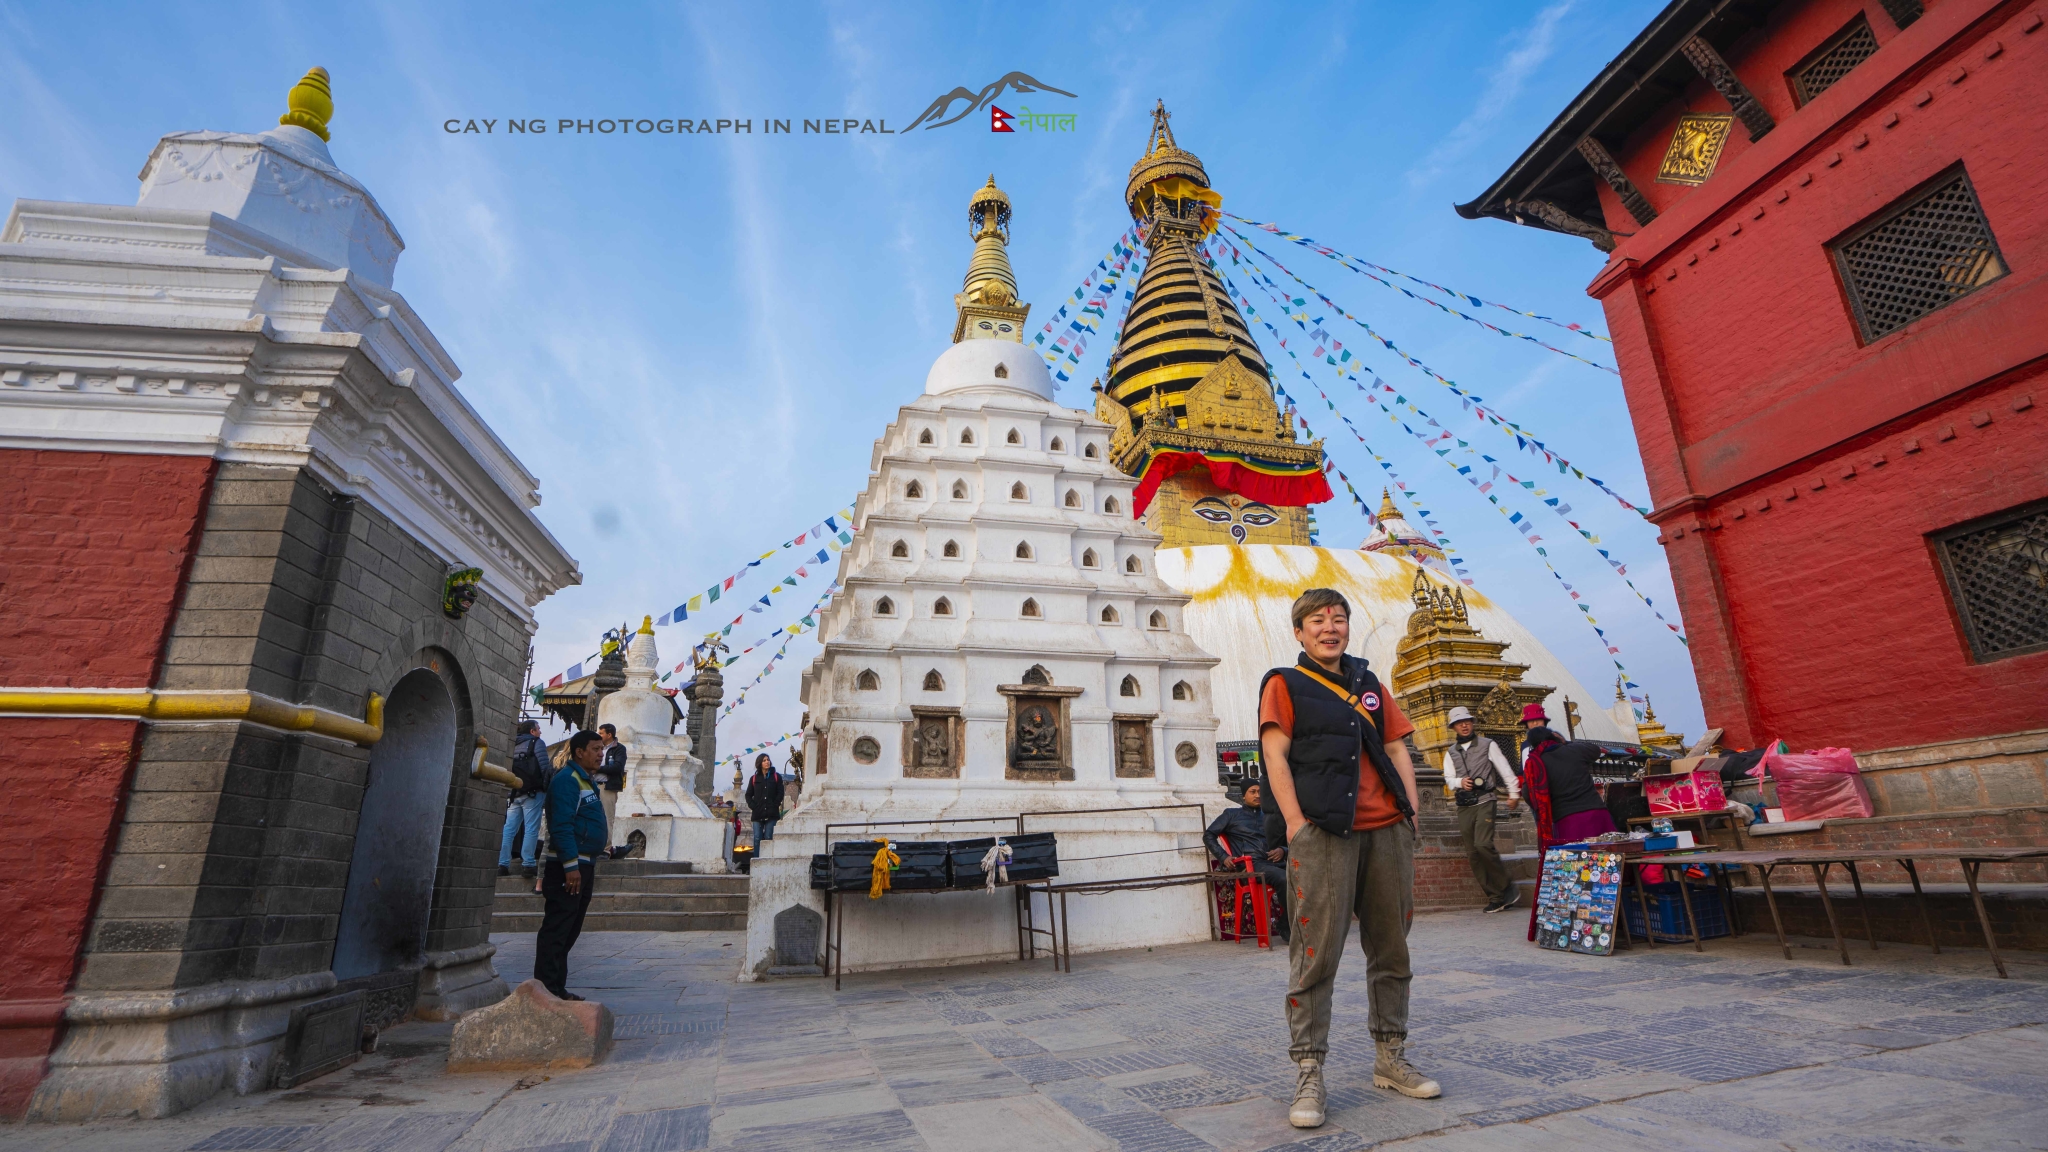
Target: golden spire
{"points": [[311, 104], [647, 626], [987, 301], [1387, 509], [1190, 375]]}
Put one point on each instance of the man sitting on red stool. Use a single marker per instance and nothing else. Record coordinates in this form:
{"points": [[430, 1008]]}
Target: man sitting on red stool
{"points": [[1246, 829]]}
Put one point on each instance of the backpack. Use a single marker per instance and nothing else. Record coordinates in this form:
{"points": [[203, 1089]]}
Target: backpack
{"points": [[531, 767]]}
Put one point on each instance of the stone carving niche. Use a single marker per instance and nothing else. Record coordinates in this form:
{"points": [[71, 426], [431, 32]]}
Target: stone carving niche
{"points": [[1134, 747], [932, 741], [1039, 738]]}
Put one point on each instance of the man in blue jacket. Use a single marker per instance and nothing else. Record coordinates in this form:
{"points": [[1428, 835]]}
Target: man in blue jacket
{"points": [[576, 828]]}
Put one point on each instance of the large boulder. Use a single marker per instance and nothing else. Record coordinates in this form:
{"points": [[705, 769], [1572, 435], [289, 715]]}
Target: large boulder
{"points": [[531, 1028]]}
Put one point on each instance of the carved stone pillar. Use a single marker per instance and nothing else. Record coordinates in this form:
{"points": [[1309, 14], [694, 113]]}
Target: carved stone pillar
{"points": [[1607, 169], [610, 677], [1717, 72]]}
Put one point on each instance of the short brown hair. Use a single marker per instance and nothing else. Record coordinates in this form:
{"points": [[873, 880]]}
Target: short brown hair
{"points": [[1315, 600]]}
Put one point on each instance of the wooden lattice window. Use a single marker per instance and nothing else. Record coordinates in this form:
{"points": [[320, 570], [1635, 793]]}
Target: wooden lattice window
{"points": [[1998, 577], [1919, 256], [1833, 60]]}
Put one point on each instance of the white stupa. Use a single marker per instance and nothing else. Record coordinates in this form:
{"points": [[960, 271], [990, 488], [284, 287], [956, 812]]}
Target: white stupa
{"points": [[659, 799], [1003, 644]]}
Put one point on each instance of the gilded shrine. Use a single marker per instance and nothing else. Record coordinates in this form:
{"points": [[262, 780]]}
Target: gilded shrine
{"points": [[1443, 662]]}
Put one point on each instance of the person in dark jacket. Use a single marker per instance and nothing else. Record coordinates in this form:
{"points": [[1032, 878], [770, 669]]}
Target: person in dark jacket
{"points": [[523, 815], [576, 828], [1557, 776], [611, 775], [764, 798], [1333, 742], [1246, 830]]}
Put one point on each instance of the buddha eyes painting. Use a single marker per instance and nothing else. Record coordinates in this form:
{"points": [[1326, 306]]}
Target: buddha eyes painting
{"points": [[1239, 519]]}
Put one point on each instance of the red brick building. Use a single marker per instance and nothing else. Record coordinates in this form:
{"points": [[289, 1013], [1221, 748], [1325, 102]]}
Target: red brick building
{"points": [[1828, 230]]}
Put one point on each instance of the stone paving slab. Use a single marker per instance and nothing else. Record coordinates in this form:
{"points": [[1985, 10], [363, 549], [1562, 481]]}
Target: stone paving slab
{"points": [[1183, 1049]]}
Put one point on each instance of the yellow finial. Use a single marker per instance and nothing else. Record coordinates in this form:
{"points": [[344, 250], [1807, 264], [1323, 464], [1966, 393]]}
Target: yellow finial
{"points": [[1387, 509], [312, 104], [647, 626]]}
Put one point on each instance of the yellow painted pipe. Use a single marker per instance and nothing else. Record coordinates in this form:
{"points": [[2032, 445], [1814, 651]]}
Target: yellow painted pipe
{"points": [[165, 705], [478, 770]]}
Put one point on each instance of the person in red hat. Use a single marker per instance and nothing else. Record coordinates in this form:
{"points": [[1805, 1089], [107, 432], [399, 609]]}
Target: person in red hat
{"points": [[1557, 777], [1532, 718]]}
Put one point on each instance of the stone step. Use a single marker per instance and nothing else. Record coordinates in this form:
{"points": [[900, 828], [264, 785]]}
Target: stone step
{"points": [[680, 883], [610, 921], [523, 902]]}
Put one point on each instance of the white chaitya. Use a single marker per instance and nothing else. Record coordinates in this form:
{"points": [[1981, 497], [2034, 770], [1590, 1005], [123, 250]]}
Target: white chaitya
{"points": [[659, 799], [1003, 644]]}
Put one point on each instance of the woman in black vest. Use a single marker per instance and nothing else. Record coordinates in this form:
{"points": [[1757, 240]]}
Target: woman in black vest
{"points": [[1558, 778], [1338, 771]]}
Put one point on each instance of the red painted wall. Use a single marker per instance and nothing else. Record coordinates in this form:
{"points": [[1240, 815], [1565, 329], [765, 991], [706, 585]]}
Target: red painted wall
{"points": [[1823, 618], [94, 547]]}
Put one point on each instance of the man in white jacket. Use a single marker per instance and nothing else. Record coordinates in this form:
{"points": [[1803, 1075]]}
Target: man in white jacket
{"points": [[1476, 772]]}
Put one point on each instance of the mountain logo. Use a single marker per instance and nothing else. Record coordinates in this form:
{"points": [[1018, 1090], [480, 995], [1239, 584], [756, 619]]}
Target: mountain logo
{"points": [[1017, 82]]}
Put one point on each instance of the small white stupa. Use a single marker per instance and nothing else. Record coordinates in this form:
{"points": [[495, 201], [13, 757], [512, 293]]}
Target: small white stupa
{"points": [[659, 800], [1002, 645]]}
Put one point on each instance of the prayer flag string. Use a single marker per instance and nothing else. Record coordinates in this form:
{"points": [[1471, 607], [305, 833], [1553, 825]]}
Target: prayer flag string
{"points": [[750, 749], [1524, 440], [1515, 519], [1453, 293], [1441, 541], [1093, 297], [1349, 368], [831, 534]]}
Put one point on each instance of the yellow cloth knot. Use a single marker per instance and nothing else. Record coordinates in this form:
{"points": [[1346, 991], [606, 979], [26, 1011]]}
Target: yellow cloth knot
{"points": [[885, 859]]}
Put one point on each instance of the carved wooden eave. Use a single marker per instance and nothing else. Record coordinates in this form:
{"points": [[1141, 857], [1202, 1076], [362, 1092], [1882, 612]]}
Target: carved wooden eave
{"points": [[1680, 44]]}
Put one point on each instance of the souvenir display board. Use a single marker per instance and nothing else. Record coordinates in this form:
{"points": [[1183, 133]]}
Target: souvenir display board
{"points": [[1576, 898]]}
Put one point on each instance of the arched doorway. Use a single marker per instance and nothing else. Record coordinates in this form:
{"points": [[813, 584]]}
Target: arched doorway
{"points": [[398, 832]]}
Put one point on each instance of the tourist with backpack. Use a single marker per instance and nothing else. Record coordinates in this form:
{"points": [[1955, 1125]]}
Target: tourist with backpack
{"points": [[529, 800]]}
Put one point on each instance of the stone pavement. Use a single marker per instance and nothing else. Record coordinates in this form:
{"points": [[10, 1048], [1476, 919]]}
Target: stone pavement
{"points": [[1182, 1050]]}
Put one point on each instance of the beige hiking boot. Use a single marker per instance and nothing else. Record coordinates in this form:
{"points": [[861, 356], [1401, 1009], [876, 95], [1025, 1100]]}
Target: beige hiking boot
{"points": [[1391, 1069], [1308, 1095]]}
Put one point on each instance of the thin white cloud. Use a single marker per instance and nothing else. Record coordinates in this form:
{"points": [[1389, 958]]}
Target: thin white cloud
{"points": [[1531, 49]]}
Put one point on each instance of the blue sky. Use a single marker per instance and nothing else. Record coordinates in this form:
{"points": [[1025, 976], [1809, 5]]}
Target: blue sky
{"points": [[694, 340]]}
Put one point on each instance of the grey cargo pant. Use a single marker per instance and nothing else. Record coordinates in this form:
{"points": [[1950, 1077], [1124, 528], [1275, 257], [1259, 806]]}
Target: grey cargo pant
{"points": [[1475, 825], [1332, 877]]}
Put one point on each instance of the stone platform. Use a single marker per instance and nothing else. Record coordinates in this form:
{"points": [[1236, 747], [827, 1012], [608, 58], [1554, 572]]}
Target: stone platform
{"points": [[1181, 1049], [635, 896]]}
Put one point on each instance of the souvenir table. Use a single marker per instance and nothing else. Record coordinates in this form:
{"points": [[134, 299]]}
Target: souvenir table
{"points": [[1766, 863]]}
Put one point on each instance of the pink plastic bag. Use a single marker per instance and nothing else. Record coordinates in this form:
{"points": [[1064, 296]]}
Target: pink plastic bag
{"points": [[1823, 784], [1696, 791]]}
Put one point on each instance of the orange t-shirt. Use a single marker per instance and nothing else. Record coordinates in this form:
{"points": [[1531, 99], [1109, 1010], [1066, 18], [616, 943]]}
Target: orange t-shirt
{"points": [[1376, 806]]}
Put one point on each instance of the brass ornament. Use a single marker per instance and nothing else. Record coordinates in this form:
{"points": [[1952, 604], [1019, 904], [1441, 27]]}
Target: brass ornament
{"points": [[1695, 149]]}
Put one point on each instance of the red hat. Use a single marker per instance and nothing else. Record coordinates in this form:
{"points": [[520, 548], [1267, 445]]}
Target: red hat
{"points": [[1533, 712]]}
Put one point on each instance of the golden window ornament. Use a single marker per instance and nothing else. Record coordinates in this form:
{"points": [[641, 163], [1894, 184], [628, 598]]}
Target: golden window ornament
{"points": [[1695, 149]]}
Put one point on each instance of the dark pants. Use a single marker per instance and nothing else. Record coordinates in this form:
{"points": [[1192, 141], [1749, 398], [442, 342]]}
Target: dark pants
{"points": [[1275, 876], [560, 925]]}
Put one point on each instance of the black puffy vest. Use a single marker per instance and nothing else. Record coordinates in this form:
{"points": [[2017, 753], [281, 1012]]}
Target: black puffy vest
{"points": [[1329, 736]]}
